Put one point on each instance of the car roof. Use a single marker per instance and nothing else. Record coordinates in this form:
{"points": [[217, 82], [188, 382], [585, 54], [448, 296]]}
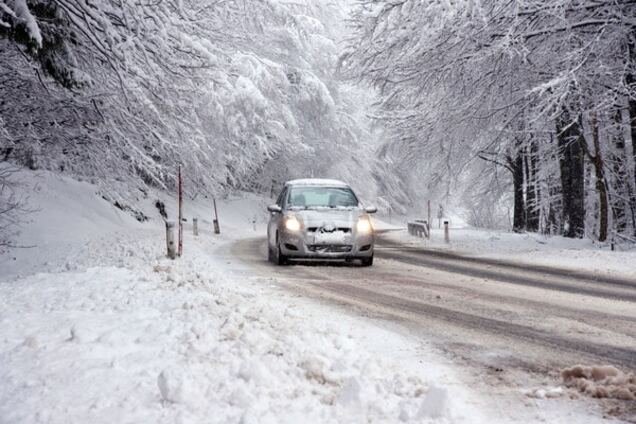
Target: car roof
{"points": [[316, 182]]}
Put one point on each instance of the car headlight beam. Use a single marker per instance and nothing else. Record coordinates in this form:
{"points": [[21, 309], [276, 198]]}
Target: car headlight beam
{"points": [[292, 223], [363, 225]]}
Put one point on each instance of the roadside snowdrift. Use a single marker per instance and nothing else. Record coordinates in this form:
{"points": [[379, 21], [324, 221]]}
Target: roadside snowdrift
{"points": [[159, 341], [530, 248], [66, 216]]}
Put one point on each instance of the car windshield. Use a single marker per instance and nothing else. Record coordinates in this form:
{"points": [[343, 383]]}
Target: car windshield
{"points": [[321, 197]]}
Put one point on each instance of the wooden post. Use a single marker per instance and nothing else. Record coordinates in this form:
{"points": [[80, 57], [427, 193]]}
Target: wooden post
{"points": [[428, 220], [195, 226], [217, 229], [170, 239], [446, 235], [180, 251]]}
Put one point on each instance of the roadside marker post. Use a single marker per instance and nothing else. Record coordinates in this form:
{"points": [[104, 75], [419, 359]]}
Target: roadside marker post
{"points": [[195, 226], [428, 220], [446, 234], [217, 229], [170, 239]]}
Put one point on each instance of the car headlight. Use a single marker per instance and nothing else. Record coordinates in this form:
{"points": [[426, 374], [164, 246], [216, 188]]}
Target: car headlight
{"points": [[364, 225], [292, 223]]}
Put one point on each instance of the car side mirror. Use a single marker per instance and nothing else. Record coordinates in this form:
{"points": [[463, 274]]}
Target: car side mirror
{"points": [[370, 209], [274, 208]]}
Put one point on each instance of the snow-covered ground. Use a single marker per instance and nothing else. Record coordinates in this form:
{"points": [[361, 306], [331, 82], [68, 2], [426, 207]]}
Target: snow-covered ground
{"points": [[529, 248], [97, 326]]}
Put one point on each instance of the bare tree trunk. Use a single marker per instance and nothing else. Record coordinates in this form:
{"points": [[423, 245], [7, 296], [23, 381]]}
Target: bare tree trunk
{"points": [[532, 188], [519, 219], [601, 185], [552, 193], [554, 224], [572, 165], [618, 161]]}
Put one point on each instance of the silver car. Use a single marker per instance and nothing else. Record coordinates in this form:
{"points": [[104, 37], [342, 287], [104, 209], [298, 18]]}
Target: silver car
{"points": [[320, 219]]}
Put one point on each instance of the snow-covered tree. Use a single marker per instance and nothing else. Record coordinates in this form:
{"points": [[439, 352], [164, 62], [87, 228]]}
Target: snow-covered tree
{"points": [[533, 87], [244, 94]]}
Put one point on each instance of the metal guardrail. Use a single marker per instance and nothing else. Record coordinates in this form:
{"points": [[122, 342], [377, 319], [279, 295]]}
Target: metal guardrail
{"points": [[418, 228]]}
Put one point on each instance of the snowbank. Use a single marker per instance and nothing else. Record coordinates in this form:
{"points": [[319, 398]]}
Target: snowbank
{"points": [[530, 248], [66, 215], [160, 341], [601, 381]]}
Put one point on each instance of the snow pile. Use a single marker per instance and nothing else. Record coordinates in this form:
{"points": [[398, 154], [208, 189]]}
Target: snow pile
{"points": [[157, 341], [545, 393], [601, 381]]}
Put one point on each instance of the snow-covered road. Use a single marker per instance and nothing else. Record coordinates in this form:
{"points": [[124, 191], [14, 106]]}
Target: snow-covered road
{"points": [[511, 326], [97, 325]]}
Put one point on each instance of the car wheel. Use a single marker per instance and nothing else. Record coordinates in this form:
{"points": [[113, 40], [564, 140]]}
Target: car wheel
{"points": [[367, 261], [280, 258]]}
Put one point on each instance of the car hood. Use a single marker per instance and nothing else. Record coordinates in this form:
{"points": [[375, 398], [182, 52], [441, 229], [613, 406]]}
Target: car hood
{"points": [[329, 217]]}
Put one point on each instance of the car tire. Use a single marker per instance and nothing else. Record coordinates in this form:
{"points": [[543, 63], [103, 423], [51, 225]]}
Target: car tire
{"points": [[280, 259], [367, 261]]}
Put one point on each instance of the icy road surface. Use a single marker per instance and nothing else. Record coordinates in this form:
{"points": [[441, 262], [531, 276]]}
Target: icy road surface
{"points": [[510, 326]]}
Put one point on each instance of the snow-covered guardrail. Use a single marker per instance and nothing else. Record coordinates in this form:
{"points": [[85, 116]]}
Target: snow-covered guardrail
{"points": [[418, 228]]}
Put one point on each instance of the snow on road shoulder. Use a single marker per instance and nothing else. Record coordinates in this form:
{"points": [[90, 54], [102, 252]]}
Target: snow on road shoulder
{"points": [[534, 249], [153, 340], [65, 215]]}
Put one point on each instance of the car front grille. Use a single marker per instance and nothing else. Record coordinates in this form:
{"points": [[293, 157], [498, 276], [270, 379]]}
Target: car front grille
{"points": [[343, 229], [330, 248]]}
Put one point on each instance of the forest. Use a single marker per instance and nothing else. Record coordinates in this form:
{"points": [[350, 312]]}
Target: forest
{"points": [[521, 114], [536, 98]]}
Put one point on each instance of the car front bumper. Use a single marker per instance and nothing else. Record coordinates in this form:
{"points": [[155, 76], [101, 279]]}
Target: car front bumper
{"points": [[307, 245]]}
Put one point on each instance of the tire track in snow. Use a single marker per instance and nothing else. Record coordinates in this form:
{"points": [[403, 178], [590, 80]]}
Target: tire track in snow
{"points": [[598, 286], [379, 292], [597, 351]]}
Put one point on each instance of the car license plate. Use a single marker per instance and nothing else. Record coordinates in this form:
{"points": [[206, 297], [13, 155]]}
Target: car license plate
{"points": [[336, 237]]}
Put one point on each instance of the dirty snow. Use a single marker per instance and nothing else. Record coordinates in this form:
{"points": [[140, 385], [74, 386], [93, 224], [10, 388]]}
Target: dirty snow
{"points": [[601, 381]]}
